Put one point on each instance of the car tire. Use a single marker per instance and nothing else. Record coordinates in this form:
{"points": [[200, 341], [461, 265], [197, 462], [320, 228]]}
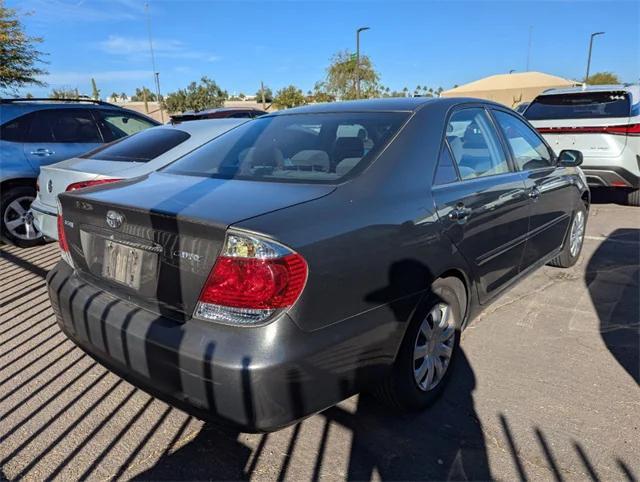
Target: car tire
{"points": [[570, 254], [633, 197], [401, 389], [14, 202]]}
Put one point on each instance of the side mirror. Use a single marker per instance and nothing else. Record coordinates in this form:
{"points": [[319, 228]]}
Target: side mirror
{"points": [[570, 158]]}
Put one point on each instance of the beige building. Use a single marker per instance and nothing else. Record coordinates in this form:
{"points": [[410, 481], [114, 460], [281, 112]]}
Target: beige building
{"points": [[509, 89]]}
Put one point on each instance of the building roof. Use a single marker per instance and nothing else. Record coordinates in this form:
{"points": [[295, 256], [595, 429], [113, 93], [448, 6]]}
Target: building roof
{"points": [[517, 80]]}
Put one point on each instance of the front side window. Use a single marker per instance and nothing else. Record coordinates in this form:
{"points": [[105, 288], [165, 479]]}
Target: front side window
{"points": [[140, 147], [582, 105], [529, 152], [475, 144], [116, 125], [317, 148]]}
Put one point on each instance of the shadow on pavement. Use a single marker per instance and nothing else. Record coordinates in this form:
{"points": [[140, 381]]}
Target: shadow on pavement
{"points": [[613, 280]]}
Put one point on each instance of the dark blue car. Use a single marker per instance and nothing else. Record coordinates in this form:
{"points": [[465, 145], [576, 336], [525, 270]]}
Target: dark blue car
{"points": [[38, 132]]}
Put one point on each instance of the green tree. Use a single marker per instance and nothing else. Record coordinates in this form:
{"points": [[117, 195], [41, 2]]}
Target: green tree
{"points": [[289, 97], [320, 93], [140, 95], [123, 97], [342, 77], [268, 95], [603, 78], [95, 92], [197, 96], [19, 57], [65, 93]]}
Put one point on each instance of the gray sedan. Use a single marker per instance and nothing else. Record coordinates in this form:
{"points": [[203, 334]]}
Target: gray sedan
{"points": [[133, 156]]}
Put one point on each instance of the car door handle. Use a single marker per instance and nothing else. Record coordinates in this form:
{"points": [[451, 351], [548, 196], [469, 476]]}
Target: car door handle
{"points": [[534, 193], [42, 152], [459, 213]]}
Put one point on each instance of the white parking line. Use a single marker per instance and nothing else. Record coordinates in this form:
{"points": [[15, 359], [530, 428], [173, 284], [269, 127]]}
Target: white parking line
{"points": [[612, 240]]}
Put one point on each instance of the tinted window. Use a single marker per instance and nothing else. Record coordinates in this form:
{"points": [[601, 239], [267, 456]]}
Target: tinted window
{"points": [[240, 115], [64, 125], [297, 147], [15, 130], [116, 125], [475, 145], [579, 106], [446, 171], [527, 148], [140, 147]]}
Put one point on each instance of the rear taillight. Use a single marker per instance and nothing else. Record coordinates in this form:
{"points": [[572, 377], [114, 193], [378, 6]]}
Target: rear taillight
{"points": [[621, 130], [95, 182], [62, 238], [252, 279]]}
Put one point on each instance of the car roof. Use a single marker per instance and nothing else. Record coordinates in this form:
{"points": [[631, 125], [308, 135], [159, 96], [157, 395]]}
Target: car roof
{"points": [[633, 89], [13, 108], [201, 128], [397, 104]]}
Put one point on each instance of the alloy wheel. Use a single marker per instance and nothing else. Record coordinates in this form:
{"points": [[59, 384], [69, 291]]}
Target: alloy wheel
{"points": [[433, 347], [19, 221], [577, 234]]}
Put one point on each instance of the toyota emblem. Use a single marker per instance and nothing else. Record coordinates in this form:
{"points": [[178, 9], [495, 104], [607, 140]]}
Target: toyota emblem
{"points": [[50, 186], [115, 219]]}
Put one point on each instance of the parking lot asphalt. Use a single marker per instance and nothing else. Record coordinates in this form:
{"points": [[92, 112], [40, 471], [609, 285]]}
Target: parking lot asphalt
{"points": [[547, 387]]}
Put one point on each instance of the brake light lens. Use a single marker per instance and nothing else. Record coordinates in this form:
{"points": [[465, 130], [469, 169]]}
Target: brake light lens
{"points": [[82, 184], [62, 238], [252, 279], [622, 130]]}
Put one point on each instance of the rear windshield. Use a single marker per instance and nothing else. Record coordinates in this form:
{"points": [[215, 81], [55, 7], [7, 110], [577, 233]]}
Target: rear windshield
{"points": [[140, 147], [579, 106], [317, 148]]}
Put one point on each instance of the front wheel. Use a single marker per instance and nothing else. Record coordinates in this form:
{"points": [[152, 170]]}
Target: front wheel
{"points": [[17, 222], [423, 365], [573, 240]]}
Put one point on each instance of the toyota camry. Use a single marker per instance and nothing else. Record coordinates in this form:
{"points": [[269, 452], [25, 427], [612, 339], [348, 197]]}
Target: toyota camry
{"points": [[314, 253]]}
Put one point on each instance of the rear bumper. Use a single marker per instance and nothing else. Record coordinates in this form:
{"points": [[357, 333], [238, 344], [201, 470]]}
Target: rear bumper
{"points": [[610, 176], [45, 219], [258, 379]]}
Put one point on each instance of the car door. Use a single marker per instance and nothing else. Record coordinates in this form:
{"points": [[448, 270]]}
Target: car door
{"points": [[550, 188], [58, 134], [480, 199]]}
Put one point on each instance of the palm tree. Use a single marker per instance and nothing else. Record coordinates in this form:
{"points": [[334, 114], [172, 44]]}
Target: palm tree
{"points": [[123, 97], [114, 97]]}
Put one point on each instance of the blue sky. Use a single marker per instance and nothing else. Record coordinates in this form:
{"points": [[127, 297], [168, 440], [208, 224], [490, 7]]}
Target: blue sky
{"points": [[239, 43]]}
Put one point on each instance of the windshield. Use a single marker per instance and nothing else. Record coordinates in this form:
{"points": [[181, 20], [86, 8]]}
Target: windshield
{"points": [[318, 148], [140, 147], [590, 105]]}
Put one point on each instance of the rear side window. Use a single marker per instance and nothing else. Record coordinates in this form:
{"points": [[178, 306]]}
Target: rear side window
{"points": [[529, 152], [446, 171], [63, 125], [475, 144], [15, 130], [116, 125], [140, 147], [316, 148], [588, 105]]}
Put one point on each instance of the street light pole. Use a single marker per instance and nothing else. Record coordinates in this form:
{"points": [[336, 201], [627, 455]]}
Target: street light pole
{"points": [[361, 29], [156, 74], [586, 77]]}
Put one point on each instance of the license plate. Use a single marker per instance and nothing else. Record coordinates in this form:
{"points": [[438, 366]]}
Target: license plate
{"points": [[122, 264]]}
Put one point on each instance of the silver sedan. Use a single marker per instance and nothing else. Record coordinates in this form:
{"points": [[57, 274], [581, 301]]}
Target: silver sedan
{"points": [[133, 156]]}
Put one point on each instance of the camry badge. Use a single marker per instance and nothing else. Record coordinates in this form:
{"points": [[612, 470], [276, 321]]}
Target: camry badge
{"points": [[115, 219]]}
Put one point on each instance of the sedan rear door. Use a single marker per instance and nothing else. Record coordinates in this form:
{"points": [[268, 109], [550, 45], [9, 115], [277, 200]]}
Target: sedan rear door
{"points": [[480, 200]]}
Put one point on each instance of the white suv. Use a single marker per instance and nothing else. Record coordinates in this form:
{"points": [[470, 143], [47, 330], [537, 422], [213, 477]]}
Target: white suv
{"points": [[601, 121]]}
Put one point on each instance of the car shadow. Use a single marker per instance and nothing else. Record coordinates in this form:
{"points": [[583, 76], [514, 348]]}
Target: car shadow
{"points": [[613, 280]]}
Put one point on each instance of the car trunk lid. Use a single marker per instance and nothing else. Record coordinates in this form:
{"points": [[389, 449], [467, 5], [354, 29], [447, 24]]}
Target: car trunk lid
{"points": [[153, 241]]}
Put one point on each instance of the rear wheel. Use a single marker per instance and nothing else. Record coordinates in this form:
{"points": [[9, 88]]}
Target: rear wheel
{"points": [[423, 365], [573, 240], [17, 222], [632, 197]]}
